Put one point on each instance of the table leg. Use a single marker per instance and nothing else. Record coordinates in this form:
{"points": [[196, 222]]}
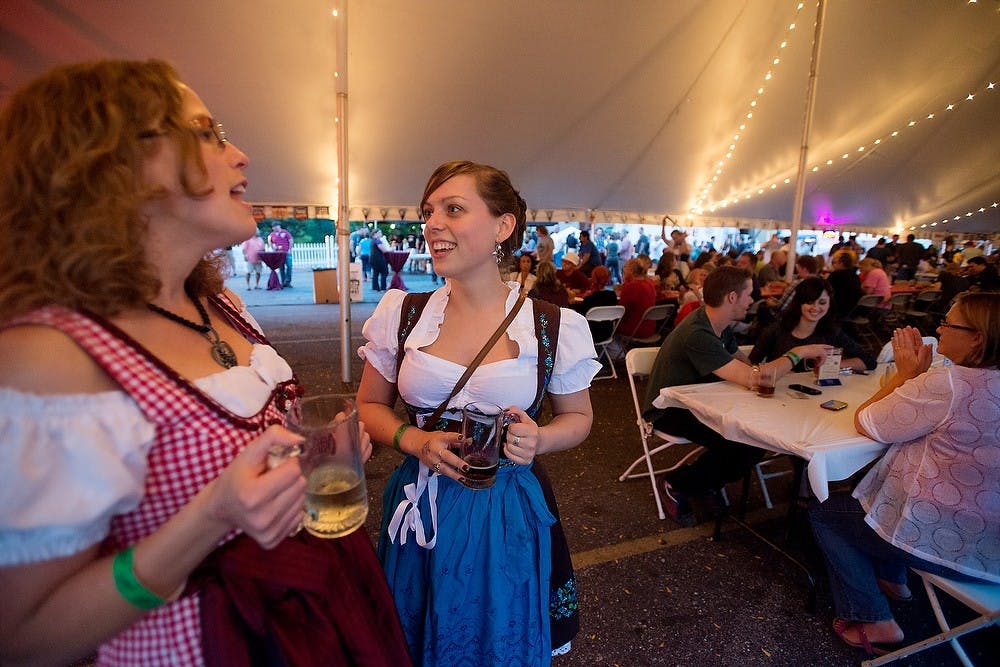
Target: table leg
{"points": [[397, 281]]}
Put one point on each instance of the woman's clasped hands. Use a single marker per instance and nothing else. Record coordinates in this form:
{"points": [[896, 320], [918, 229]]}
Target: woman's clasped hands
{"points": [[911, 355]]}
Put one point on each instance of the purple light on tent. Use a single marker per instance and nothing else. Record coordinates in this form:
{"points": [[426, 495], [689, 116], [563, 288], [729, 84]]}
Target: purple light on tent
{"points": [[823, 214]]}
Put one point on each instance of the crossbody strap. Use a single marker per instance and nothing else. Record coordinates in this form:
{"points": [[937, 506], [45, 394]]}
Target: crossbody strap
{"points": [[479, 358]]}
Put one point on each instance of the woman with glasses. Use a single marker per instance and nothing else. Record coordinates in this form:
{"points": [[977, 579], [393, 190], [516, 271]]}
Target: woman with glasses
{"points": [[931, 501], [139, 401]]}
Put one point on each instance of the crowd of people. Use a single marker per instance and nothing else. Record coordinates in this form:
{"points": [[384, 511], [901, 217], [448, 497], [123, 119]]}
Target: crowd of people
{"points": [[143, 521]]}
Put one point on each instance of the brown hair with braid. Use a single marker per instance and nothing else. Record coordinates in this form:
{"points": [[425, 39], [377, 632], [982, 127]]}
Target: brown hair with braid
{"points": [[71, 191], [495, 189]]}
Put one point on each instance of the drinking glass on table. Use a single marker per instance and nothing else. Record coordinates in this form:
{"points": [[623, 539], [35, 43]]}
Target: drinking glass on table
{"points": [[766, 378], [332, 463]]}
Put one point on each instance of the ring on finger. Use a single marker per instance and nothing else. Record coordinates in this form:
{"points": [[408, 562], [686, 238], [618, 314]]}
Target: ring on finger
{"points": [[517, 440], [437, 467]]}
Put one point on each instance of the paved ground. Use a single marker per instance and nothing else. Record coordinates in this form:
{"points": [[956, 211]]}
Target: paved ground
{"points": [[651, 593]]}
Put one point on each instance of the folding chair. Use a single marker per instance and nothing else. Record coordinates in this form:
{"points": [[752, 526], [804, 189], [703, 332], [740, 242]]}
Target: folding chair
{"points": [[864, 317], [920, 314], [896, 316], [762, 476], [639, 361], [662, 314], [981, 597], [612, 314]]}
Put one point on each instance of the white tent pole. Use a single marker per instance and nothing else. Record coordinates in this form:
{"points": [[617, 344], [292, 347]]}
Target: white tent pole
{"points": [[344, 212], [800, 180]]}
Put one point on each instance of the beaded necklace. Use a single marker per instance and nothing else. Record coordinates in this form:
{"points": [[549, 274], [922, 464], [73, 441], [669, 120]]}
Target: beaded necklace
{"points": [[222, 352]]}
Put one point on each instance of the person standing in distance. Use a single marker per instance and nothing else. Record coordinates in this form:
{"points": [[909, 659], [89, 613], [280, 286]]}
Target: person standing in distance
{"points": [[281, 240]]}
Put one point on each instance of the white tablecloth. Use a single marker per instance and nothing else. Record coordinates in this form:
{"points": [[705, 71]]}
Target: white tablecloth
{"points": [[827, 440]]}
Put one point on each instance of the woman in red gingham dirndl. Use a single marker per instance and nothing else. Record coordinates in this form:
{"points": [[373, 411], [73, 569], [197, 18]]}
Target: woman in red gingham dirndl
{"points": [[196, 438]]}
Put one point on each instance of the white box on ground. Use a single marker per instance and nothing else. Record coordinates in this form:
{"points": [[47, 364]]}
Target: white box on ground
{"points": [[357, 285]]}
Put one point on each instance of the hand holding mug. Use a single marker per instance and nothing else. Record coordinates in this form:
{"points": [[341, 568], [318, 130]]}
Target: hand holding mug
{"points": [[521, 443], [264, 502]]}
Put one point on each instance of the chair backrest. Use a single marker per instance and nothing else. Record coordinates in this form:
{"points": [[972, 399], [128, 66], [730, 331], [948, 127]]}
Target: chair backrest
{"points": [[869, 301], [900, 301], [611, 314], [928, 296], [659, 313], [639, 361], [605, 313]]}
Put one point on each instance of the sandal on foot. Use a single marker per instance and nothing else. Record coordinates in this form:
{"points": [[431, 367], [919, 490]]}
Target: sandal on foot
{"points": [[842, 625]]}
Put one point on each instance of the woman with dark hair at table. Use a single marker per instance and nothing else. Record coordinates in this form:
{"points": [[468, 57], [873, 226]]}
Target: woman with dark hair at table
{"points": [[808, 319], [524, 273], [931, 501]]}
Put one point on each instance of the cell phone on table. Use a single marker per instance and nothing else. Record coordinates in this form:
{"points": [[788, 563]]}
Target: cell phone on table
{"points": [[812, 391], [833, 405]]}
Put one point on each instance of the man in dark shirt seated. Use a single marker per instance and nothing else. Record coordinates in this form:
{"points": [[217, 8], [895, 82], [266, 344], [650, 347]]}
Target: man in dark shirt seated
{"points": [[981, 276], [702, 349]]}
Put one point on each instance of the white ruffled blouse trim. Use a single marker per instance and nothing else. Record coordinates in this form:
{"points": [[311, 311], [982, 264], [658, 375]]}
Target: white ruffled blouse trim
{"points": [[72, 461], [576, 360]]}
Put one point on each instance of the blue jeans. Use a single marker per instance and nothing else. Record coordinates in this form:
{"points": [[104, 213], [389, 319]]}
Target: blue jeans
{"points": [[856, 556], [286, 271]]}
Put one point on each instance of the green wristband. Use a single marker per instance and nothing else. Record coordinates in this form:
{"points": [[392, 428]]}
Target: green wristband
{"points": [[793, 357], [129, 587], [399, 436]]}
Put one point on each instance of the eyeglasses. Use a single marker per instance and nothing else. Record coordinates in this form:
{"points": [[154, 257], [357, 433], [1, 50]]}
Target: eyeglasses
{"points": [[205, 128], [960, 327]]}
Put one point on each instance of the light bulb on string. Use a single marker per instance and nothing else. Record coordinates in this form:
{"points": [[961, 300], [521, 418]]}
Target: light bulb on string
{"points": [[754, 103], [930, 116]]}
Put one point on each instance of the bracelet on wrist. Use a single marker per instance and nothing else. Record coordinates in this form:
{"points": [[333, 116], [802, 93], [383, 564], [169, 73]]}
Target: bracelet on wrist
{"points": [[399, 436], [793, 357], [129, 587]]}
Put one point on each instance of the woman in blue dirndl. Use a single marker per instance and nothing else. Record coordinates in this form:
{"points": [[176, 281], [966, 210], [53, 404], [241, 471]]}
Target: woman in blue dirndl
{"points": [[479, 576]]}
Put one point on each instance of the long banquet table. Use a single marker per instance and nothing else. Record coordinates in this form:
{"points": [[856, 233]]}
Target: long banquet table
{"points": [[827, 440]]}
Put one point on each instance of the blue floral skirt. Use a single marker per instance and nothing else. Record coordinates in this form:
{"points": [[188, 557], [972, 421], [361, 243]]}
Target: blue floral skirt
{"points": [[484, 594]]}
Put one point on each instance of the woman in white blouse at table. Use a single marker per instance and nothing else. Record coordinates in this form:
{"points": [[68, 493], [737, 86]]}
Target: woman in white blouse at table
{"points": [[932, 500]]}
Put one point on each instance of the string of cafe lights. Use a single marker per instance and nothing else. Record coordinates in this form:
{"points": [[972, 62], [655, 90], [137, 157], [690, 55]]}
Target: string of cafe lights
{"points": [[968, 214], [915, 120], [720, 164]]}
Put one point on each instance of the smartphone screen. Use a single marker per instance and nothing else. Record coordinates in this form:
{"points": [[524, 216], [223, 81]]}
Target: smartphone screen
{"points": [[833, 405]]}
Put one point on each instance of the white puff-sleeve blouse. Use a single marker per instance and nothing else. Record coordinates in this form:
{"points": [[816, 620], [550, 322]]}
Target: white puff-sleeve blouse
{"points": [[936, 491], [72, 461], [426, 380]]}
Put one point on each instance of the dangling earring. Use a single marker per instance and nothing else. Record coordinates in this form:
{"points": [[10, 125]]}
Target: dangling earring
{"points": [[498, 253]]}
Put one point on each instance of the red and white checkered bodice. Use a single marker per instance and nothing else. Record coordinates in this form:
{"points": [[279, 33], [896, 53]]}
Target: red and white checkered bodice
{"points": [[196, 438]]}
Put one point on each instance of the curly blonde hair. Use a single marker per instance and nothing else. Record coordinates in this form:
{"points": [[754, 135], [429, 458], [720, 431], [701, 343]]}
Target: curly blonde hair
{"points": [[71, 193]]}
